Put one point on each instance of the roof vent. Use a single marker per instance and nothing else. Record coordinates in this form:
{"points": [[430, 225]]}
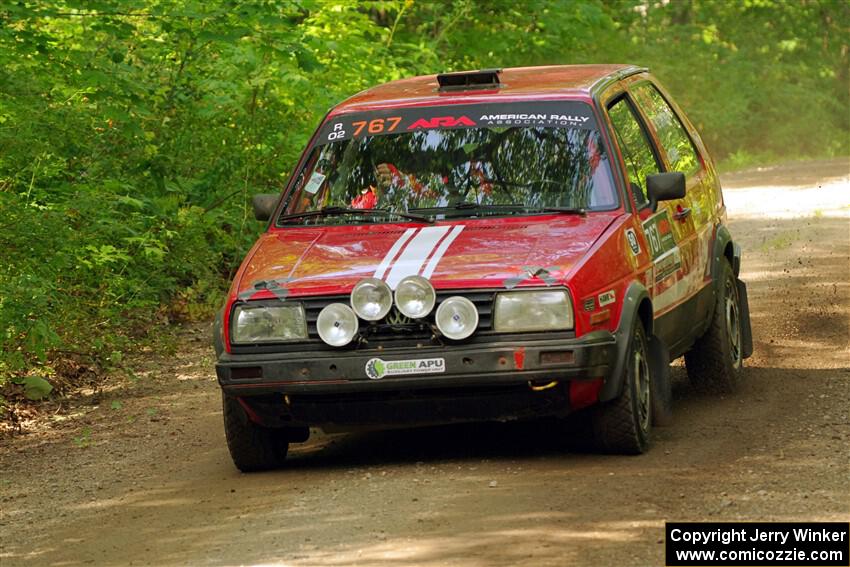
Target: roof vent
{"points": [[483, 79]]}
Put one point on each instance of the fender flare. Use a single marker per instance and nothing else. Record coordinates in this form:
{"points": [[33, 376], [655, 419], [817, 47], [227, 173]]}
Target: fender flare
{"points": [[636, 296], [724, 247], [217, 334]]}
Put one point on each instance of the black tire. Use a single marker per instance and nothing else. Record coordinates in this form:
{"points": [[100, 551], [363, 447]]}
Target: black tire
{"points": [[623, 425], [252, 447], [714, 362]]}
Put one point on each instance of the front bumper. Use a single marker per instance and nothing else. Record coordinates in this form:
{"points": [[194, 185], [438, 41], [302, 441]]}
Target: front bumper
{"points": [[509, 377], [505, 360]]}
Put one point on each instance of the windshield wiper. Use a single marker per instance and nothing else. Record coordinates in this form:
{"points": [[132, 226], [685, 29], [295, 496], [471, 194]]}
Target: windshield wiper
{"points": [[569, 210], [508, 207], [326, 211], [466, 206]]}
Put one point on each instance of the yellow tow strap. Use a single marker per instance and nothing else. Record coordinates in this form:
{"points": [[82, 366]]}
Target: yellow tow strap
{"points": [[551, 384]]}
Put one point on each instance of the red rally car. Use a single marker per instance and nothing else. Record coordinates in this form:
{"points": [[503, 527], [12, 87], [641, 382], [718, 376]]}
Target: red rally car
{"points": [[490, 245]]}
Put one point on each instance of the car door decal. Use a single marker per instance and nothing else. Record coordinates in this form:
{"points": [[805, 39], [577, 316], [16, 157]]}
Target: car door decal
{"points": [[666, 259], [633, 241], [658, 233]]}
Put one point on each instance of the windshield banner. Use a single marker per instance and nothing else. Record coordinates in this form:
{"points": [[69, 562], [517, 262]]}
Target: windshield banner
{"points": [[549, 114]]}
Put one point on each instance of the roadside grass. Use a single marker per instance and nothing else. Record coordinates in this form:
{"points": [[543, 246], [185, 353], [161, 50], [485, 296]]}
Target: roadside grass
{"points": [[743, 160]]}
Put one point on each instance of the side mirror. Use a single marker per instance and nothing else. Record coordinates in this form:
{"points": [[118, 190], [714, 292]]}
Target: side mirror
{"points": [[264, 205], [665, 187]]}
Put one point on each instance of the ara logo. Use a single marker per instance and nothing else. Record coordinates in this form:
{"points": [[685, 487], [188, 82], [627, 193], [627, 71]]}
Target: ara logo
{"points": [[441, 121], [377, 368]]}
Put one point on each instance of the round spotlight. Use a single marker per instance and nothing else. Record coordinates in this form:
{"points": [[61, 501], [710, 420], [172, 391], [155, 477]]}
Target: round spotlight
{"points": [[415, 297], [457, 317], [337, 324], [371, 299]]}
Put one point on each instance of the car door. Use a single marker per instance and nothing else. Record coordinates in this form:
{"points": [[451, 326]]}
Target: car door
{"points": [[689, 218], [642, 156]]}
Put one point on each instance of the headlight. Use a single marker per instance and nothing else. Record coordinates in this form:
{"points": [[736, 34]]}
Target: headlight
{"points": [[544, 310], [268, 323], [415, 297], [371, 299], [457, 317], [337, 324]]}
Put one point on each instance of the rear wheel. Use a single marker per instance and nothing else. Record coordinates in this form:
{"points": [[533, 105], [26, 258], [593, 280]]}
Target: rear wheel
{"points": [[252, 447], [716, 359], [622, 425]]}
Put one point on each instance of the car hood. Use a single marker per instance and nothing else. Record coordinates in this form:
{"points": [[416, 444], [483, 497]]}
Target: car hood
{"points": [[480, 253]]}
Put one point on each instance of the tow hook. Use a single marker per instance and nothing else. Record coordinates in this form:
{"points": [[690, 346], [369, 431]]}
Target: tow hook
{"points": [[542, 387]]}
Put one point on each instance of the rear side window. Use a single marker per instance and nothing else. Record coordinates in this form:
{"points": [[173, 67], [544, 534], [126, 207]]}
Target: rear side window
{"points": [[635, 147], [672, 135]]}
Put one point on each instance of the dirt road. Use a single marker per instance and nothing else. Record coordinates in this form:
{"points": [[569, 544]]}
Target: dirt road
{"points": [[141, 475]]}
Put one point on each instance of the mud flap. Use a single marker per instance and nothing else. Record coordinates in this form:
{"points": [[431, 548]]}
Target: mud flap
{"points": [[296, 434], [746, 328], [662, 388], [258, 414]]}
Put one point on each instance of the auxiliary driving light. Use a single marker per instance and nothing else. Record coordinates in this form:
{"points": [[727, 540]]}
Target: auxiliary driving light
{"points": [[337, 324], [371, 299], [457, 317], [415, 297]]}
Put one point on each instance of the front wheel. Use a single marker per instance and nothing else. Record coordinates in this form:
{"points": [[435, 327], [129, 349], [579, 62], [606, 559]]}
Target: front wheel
{"points": [[716, 359], [252, 447], [622, 425]]}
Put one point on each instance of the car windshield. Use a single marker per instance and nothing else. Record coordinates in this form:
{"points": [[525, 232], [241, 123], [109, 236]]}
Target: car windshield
{"points": [[453, 161]]}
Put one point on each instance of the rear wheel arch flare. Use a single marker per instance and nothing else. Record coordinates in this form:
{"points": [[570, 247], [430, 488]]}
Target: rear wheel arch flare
{"points": [[732, 253], [728, 252], [725, 248]]}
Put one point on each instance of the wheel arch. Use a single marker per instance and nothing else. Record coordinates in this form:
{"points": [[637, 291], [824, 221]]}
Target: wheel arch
{"points": [[636, 305], [646, 315], [728, 249], [725, 248]]}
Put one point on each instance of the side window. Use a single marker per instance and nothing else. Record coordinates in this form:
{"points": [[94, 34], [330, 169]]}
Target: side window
{"points": [[636, 148], [672, 135]]}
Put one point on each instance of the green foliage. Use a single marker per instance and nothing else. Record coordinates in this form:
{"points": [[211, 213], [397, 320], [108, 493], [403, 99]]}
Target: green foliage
{"points": [[36, 388], [759, 78], [134, 132], [83, 440]]}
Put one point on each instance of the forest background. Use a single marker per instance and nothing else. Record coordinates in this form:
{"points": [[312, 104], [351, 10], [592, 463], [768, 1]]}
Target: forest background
{"points": [[133, 133]]}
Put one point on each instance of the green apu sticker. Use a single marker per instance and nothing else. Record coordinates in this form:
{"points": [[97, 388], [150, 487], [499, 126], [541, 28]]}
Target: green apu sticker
{"points": [[377, 368]]}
